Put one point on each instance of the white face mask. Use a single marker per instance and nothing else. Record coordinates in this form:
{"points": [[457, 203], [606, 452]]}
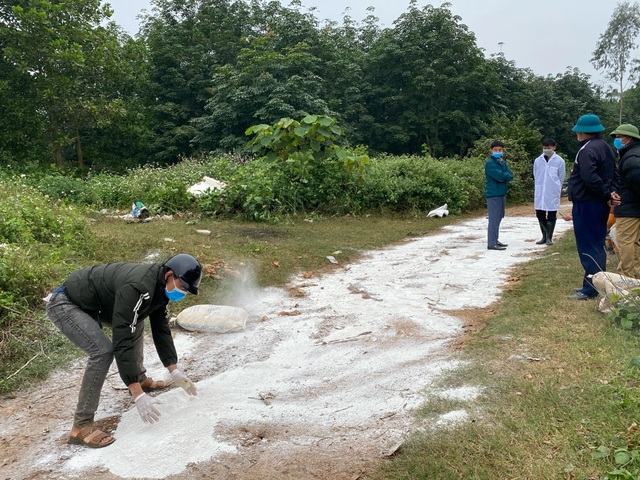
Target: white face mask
{"points": [[547, 152]]}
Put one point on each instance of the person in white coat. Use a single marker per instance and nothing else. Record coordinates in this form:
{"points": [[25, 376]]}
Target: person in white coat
{"points": [[548, 173]]}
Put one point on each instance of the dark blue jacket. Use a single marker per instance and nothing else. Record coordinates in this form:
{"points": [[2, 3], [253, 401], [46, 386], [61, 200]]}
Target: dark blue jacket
{"points": [[497, 175], [628, 182], [593, 171]]}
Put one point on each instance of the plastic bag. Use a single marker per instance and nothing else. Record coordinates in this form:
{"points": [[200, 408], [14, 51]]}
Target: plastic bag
{"points": [[439, 212]]}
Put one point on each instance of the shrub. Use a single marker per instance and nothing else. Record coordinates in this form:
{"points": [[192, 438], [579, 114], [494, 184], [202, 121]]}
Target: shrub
{"points": [[39, 239], [422, 183], [36, 236], [315, 169]]}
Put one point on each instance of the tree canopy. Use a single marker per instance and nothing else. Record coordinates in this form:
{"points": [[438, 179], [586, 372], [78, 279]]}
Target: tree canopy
{"points": [[78, 91]]}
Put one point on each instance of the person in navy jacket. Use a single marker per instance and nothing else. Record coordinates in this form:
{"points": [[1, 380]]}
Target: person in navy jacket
{"points": [[591, 189]]}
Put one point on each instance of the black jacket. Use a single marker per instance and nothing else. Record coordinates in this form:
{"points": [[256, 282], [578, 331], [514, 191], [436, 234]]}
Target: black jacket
{"points": [[122, 295], [593, 171], [629, 181]]}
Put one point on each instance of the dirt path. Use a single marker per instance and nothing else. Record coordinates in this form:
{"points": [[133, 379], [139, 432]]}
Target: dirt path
{"points": [[321, 384]]}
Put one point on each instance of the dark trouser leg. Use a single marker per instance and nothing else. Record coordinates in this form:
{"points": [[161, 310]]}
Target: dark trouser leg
{"points": [[590, 227], [86, 334], [138, 348], [495, 206]]}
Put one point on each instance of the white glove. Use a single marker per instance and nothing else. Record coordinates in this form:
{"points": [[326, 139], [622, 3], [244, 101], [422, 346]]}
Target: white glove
{"points": [[183, 381], [147, 409]]}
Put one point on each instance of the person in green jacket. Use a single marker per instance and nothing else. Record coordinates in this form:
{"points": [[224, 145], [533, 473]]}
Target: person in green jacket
{"points": [[121, 296], [497, 176]]}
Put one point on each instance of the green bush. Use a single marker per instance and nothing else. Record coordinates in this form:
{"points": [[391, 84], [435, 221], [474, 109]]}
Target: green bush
{"points": [[422, 183], [36, 236], [313, 175], [39, 240], [520, 162]]}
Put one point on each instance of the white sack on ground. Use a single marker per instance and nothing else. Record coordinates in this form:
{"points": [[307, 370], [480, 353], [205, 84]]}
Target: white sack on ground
{"points": [[609, 284], [213, 318]]}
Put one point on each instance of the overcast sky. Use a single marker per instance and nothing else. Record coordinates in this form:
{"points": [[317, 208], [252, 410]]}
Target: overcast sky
{"points": [[544, 35]]}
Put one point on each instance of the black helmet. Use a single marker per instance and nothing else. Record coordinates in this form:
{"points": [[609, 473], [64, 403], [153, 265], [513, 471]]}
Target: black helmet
{"points": [[187, 269]]}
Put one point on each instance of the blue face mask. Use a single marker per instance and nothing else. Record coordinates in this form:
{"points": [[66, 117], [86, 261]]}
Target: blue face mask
{"points": [[496, 154], [175, 295], [618, 143]]}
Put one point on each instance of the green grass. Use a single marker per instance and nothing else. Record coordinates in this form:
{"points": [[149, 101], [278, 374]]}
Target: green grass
{"points": [[299, 245], [535, 419]]}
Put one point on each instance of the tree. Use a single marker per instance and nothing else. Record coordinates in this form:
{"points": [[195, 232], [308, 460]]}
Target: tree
{"points": [[552, 104], [67, 56], [615, 47], [262, 87], [428, 84], [278, 74], [187, 40]]}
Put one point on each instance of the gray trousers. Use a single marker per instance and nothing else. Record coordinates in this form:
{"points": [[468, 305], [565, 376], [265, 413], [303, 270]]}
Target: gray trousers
{"points": [[85, 333], [496, 206]]}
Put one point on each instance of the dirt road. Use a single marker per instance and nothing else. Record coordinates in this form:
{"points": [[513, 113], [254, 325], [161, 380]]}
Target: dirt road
{"points": [[322, 384]]}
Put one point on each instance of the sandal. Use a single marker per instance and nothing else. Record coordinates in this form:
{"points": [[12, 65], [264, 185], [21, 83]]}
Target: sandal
{"points": [[151, 385], [91, 437]]}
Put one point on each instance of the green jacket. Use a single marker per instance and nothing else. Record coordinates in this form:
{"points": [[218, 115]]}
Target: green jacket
{"points": [[122, 295], [497, 176]]}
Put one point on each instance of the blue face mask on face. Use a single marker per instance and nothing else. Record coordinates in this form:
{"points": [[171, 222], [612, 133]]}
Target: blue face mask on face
{"points": [[176, 294], [496, 154], [618, 143]]}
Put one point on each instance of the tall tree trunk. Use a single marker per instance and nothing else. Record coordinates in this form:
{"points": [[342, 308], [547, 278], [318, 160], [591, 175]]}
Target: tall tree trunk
{"points": [[620, 104], [58, 155], [79, 149], [57, 148]]}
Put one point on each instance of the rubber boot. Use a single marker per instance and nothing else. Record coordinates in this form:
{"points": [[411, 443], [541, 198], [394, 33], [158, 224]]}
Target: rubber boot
{"points": [[551, 226], [543, 229]]}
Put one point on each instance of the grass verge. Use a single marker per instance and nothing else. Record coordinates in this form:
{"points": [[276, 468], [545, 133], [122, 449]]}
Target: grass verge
{"points": [[558, 397]]}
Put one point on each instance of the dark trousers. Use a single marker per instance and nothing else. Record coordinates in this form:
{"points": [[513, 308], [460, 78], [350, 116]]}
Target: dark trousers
{"points": [[590, 227], [495, 207], [544, 215]]}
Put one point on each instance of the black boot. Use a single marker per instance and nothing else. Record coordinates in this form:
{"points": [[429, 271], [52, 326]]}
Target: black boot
{"points": [[551, 225], [543, 229]]}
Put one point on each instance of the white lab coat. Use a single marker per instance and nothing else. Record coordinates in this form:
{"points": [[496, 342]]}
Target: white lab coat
{"points": [[548, 177]]}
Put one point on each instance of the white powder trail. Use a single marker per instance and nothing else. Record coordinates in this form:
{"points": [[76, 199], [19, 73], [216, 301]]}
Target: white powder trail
{"points": [[362, 345]]}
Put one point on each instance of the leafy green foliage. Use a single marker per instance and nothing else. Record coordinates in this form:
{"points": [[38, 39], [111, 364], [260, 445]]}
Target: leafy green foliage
{"points": [[162, 190], [625, 310], [39, 238], [187, 41], [303, 169], [422, 183], [427, 83], [623, 450], [35, 236], [315, 168], [73, 66], [264, 85]]}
